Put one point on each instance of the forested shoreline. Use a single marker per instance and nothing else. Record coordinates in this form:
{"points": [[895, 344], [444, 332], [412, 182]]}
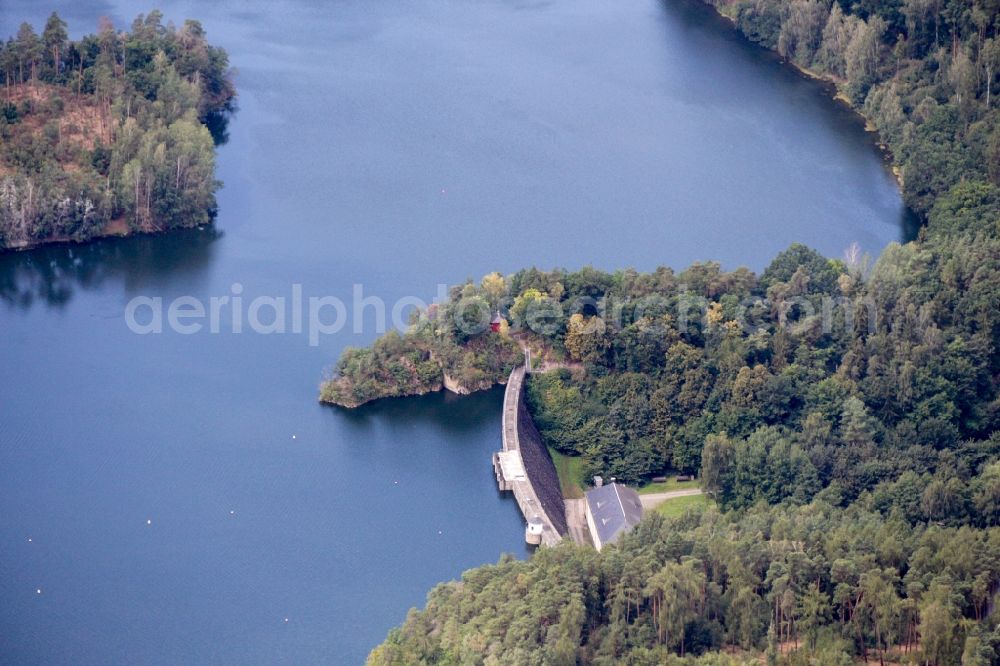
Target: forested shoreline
{"points": [[433, 354], [109, 134], [842, 413], [922, 72]]}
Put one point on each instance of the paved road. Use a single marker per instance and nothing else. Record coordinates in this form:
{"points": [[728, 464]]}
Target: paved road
{"points": [[653, 500]]}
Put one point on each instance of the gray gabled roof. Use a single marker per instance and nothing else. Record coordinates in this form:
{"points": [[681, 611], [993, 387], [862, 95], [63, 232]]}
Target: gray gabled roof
{"points": [[615, 508]]}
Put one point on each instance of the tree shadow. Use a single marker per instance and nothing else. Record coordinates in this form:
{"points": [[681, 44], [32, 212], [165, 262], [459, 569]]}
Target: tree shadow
{"points": [[217, 123], [437, 408], [52, 274]]}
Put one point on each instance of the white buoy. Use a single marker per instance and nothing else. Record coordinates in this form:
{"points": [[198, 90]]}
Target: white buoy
{"points": [[149, 522], [293, 436], [232, 513], [38, 591], [286, 619], [29, 539]]}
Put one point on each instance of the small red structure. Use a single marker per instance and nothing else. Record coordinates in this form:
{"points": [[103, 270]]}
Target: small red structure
{"points": [[496, 322]]}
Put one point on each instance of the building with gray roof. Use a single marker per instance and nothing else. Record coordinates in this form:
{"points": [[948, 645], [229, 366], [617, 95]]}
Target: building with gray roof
{"points": [[612, 510]]}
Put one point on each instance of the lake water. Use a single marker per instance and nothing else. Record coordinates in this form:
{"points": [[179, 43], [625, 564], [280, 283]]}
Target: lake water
{"points": [[184, 498]]}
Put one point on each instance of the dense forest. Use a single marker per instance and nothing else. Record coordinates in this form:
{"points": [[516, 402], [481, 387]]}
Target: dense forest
{"points": [[842, 413], [801, 585], [110, 133]]}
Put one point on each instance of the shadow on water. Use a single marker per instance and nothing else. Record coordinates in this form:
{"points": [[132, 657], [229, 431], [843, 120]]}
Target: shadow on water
{"points": [[436, 409], [52, 274], [217, 123]]}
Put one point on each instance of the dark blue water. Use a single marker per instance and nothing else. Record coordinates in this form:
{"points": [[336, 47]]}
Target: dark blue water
{"points": [[393, 145]]}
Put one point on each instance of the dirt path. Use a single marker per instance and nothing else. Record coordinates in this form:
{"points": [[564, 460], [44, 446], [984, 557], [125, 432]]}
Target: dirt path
{"points": [[540, 361], [653, 500]]}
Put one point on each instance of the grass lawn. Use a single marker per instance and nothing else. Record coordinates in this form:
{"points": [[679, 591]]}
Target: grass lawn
{"points": [[568, 468], [669, 485], [674, 508]]}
